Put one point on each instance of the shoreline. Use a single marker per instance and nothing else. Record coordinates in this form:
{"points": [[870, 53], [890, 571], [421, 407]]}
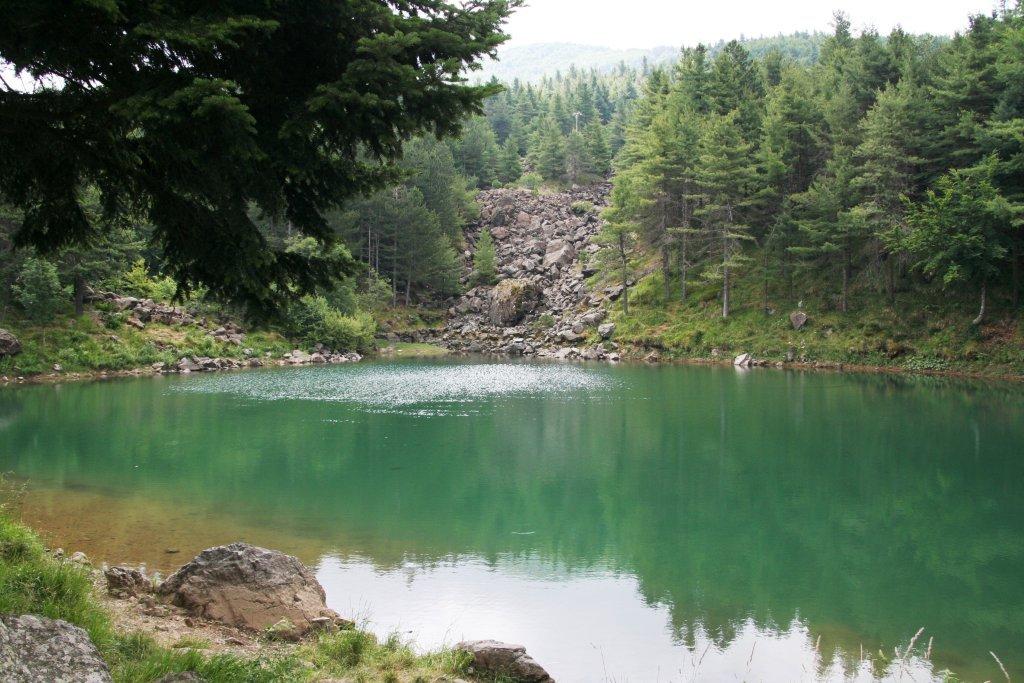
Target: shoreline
{"points": [[628, 358]]}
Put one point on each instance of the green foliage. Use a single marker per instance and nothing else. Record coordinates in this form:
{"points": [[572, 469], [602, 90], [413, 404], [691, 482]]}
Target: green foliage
{"points": [[582, 208], [531, 181], [137, 281], [192, 119], [484, 259], [851, 169], [38, 290], [314, 320]]}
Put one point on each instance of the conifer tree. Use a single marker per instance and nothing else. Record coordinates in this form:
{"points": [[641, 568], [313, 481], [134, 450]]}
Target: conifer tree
{"points": [[726, 176]]}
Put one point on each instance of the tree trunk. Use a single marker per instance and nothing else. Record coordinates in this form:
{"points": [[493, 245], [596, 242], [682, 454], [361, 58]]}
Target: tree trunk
{"points": [[79, 295], [764, 285], [682, 270], [625, 274], [1015, 275], [725, 292], [981, 311], [408, 287], [666, 268], [843, 301]]}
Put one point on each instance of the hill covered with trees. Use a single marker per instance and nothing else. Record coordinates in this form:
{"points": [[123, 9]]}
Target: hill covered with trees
{"points": [[882, 180]]}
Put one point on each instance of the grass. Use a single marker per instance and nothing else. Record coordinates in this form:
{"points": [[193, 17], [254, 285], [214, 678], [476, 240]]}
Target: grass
{"points": [[95, 342], [34, 582], [920, 331], [410, 350]]}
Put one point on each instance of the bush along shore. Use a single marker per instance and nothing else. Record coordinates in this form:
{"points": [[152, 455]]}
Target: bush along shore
{"points": [[234, 613], [125, 335]]}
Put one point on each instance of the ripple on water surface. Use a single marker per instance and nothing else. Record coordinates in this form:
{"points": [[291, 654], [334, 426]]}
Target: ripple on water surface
{"points": [[432, 388]]}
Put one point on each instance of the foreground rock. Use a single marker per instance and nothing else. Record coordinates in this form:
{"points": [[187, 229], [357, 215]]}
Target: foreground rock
{"points": [[127, 581], [9, 344], [36, 649], [495, 658], [251, 588]]}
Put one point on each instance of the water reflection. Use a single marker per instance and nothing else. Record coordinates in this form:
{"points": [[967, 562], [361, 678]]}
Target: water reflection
{"points": [[612, 519]]}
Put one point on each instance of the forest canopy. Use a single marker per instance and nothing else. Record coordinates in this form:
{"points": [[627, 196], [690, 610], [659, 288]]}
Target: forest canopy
{"points": [[204, 120]]}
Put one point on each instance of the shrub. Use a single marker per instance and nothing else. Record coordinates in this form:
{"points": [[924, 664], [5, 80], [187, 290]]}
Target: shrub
{"points": [[138, 282], [531, 181], [314, 320], [581, 208], [38, 290]]}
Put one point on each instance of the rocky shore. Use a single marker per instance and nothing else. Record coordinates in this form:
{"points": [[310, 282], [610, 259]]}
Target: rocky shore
{"points": [[237, 598]]}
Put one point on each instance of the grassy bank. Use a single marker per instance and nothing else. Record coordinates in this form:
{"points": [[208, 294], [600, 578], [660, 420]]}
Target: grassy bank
{"points": [[95, 343], [913, 333], [32, 581]]}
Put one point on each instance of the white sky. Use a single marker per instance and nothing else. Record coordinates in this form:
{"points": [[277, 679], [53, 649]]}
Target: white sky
{"points": [[651, 23]]}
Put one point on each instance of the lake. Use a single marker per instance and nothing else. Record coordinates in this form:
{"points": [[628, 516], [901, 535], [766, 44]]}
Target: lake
{"points": [[626, 523]]}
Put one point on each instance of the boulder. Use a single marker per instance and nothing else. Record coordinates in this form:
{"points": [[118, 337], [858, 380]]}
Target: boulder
{"points": [[249, 587], [558, 252], [188, 365], [9, 344], [744, 360], [511, 300], [125, 581], [798, 319], [34, 648], [494, 658], [606, 330]]}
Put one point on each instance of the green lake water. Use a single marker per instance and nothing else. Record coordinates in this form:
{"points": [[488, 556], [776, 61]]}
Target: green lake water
{"points": [[625, 523]]}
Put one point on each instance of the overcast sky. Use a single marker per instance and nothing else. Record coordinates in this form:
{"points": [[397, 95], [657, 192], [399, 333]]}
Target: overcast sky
{"points": [[650, 23]]}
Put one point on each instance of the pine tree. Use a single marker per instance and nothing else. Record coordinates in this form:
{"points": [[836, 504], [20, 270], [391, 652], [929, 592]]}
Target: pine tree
{"points": [[832, 235], [510, 167], [547, 152], [578, 163], [484, 259], [726, 175], [196, 115], [887, 173], [957, 232]]}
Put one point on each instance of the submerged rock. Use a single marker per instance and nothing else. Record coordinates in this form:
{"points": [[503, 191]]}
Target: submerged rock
{"points": [[495, 658], [249, 587], [37, 649]]}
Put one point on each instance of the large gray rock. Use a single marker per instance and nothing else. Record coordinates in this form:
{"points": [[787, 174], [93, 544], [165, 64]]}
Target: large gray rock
{"points": [[249, 587], [125, 581], [558, 252], [511, 300], [9, 344], [495, 658], [36, 649], [797, 319]]}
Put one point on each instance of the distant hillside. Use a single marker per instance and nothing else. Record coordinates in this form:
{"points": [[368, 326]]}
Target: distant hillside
{"points": [[532, 62]]}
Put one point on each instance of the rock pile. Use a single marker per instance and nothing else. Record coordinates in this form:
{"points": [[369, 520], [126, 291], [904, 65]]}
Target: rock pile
{"points": [[145, 310], [541, 306]]}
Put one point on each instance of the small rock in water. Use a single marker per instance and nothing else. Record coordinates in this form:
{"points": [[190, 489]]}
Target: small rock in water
{"points": [[79, 557]]}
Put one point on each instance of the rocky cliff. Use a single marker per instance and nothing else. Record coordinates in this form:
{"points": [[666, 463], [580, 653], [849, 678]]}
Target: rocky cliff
{"points": [[541, 305]]}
